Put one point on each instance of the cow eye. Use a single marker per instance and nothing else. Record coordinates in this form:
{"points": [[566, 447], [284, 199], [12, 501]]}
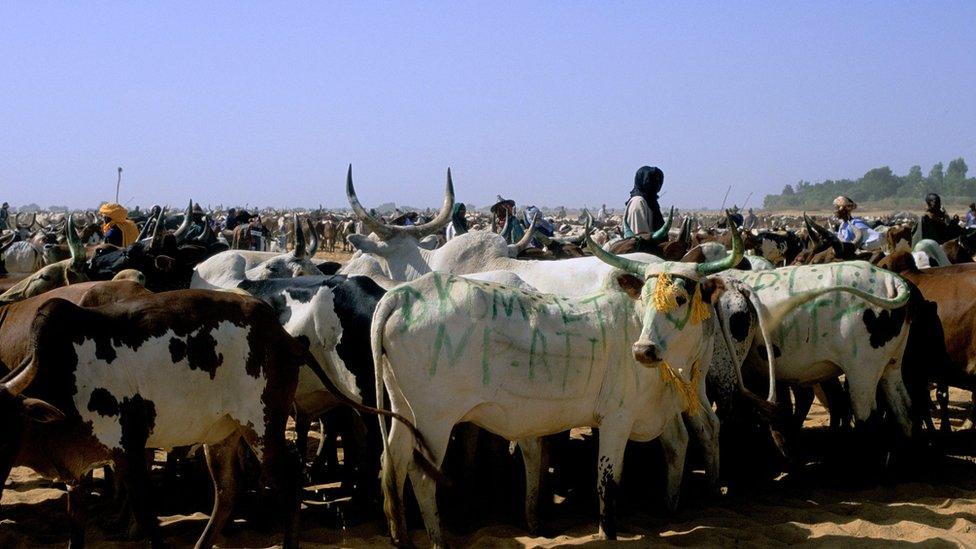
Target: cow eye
{"points": [[681, 300]]}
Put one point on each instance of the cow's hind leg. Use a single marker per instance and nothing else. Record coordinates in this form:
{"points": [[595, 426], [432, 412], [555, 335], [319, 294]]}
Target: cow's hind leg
{"points": [[942, 397], [396, 462], [424, 486], [898, 400], [222, 462], [674, 442], [75, 518], [136, 417]]}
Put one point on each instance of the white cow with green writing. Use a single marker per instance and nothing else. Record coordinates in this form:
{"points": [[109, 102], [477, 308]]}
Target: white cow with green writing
{"points": [[627, 359]]}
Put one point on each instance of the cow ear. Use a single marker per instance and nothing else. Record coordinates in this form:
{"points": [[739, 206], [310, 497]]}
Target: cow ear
{"points": [[164, 263], [631, 285], [364, 244], [41, 412], [712, 289]]}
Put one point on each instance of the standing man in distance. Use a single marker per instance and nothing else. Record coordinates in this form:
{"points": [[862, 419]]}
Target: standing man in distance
{"points": [[643, 213]]}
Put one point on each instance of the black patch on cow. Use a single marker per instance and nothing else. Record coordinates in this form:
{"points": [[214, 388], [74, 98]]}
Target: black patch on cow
{"points": [[607, 490], [776, 351], [201, 353], [104, 350], [739, 325], [884, 327], [177, 349], [302, 295], [303, 339], [137, 417], [103, 403]]}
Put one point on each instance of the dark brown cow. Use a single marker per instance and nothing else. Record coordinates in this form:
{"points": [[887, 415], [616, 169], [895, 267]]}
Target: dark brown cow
{"points": [[952, 288]]}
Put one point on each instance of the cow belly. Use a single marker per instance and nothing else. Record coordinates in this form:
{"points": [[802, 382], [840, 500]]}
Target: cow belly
{"points": [[195, 387]]}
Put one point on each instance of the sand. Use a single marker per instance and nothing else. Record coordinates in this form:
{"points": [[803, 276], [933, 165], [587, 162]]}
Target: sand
{"points": [[823, 503]]}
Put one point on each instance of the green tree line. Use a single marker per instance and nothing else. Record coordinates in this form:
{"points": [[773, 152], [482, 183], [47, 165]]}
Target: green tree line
{"points": [[880, 187]]}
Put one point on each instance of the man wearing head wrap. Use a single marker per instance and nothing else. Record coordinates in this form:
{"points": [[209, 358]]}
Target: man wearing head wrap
{"points": [[4, 215], [936, 224], [116, 226], [459, 223], [196, 222], [854, 229], [643, 213]]}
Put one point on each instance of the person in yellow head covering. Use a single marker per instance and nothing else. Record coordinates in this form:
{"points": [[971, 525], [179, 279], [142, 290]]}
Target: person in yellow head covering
{"points": [[117, 227]]}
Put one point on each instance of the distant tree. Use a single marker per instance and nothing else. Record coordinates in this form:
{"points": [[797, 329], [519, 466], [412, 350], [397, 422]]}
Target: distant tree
{"points": [[955, 177], [788, 190], [936, 178]]}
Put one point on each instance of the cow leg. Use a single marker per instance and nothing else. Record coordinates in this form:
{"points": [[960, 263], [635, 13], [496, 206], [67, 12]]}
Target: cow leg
{"points": [[75, 518], [533, 457], [971, 420], [706, 427], [802, 401], [942, 397], [897, 396], [674, 442], [396, 461], [136, 416], [425, 487], [222, 462], [838, 404], [303, 422], [613, 442]]}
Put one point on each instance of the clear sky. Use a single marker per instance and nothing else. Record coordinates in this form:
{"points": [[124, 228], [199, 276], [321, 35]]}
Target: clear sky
{"points": [[545, 102]]}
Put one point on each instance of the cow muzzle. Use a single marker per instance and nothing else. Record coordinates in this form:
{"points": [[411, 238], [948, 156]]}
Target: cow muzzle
{"points": [[646, 353]]}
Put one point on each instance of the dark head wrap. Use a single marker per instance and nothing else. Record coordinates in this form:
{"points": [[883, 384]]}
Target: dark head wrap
{"points": [[458, 219], [647, 183]]}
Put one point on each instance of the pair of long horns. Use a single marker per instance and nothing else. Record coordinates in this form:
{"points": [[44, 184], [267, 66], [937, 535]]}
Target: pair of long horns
{"points": [[817, 233], [386, 231], [33, 219], [639, 268]]}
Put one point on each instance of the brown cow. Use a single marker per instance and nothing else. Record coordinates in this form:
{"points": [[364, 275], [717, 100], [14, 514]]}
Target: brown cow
{"points": [[952, 288]]}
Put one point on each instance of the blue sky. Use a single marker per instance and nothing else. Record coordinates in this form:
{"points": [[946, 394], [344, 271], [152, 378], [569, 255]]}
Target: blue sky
{"points": [[547, 103]]}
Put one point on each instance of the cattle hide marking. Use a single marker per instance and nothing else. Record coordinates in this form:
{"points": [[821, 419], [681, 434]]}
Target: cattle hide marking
{"points": [[151, 374]]}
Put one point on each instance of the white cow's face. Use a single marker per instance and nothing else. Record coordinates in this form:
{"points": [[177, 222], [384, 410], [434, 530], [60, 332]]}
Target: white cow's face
{"points": [[675, 317], [401, 256]]}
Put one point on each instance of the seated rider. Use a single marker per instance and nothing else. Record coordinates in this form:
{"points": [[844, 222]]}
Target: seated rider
{"points": [[116, 225], [854, 229], [936, 224]]}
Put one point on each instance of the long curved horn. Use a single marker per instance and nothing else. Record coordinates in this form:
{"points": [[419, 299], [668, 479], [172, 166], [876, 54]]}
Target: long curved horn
{"points": [[300, 249], [637, 268], [443, 217], [814, 233], [824, 232], [145, 227], [381, 229], [207, 233], [684, 236], [185, 225], [526, 239], [661, 234], [507, 227], [730, 260], [313, 244], [75, 246], [157, 236], [22, 379]]}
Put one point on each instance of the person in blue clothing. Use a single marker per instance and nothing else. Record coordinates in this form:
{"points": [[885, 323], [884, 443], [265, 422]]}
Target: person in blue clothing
{"points": [[971, 216], [854, 229]]}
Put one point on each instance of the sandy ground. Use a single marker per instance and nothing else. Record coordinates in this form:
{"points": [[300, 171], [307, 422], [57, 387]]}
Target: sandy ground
{"points": [[825, 502]]}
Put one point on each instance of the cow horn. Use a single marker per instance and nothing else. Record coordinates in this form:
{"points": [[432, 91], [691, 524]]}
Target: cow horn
{"points": [[313, 244], [507, 228], [730, 260], [626, 231], [814, 233], [386, 231], [526, 239], [75, 246], [684, 236], [145, 227], [21, 378], [300, 249], [443, 217], [185, 225], [637, 268], [381, 229], [207, 234], [661, 234], [157, 236]]}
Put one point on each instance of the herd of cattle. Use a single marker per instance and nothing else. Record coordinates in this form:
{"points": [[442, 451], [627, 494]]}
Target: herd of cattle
{"points": [[178, 342]]}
